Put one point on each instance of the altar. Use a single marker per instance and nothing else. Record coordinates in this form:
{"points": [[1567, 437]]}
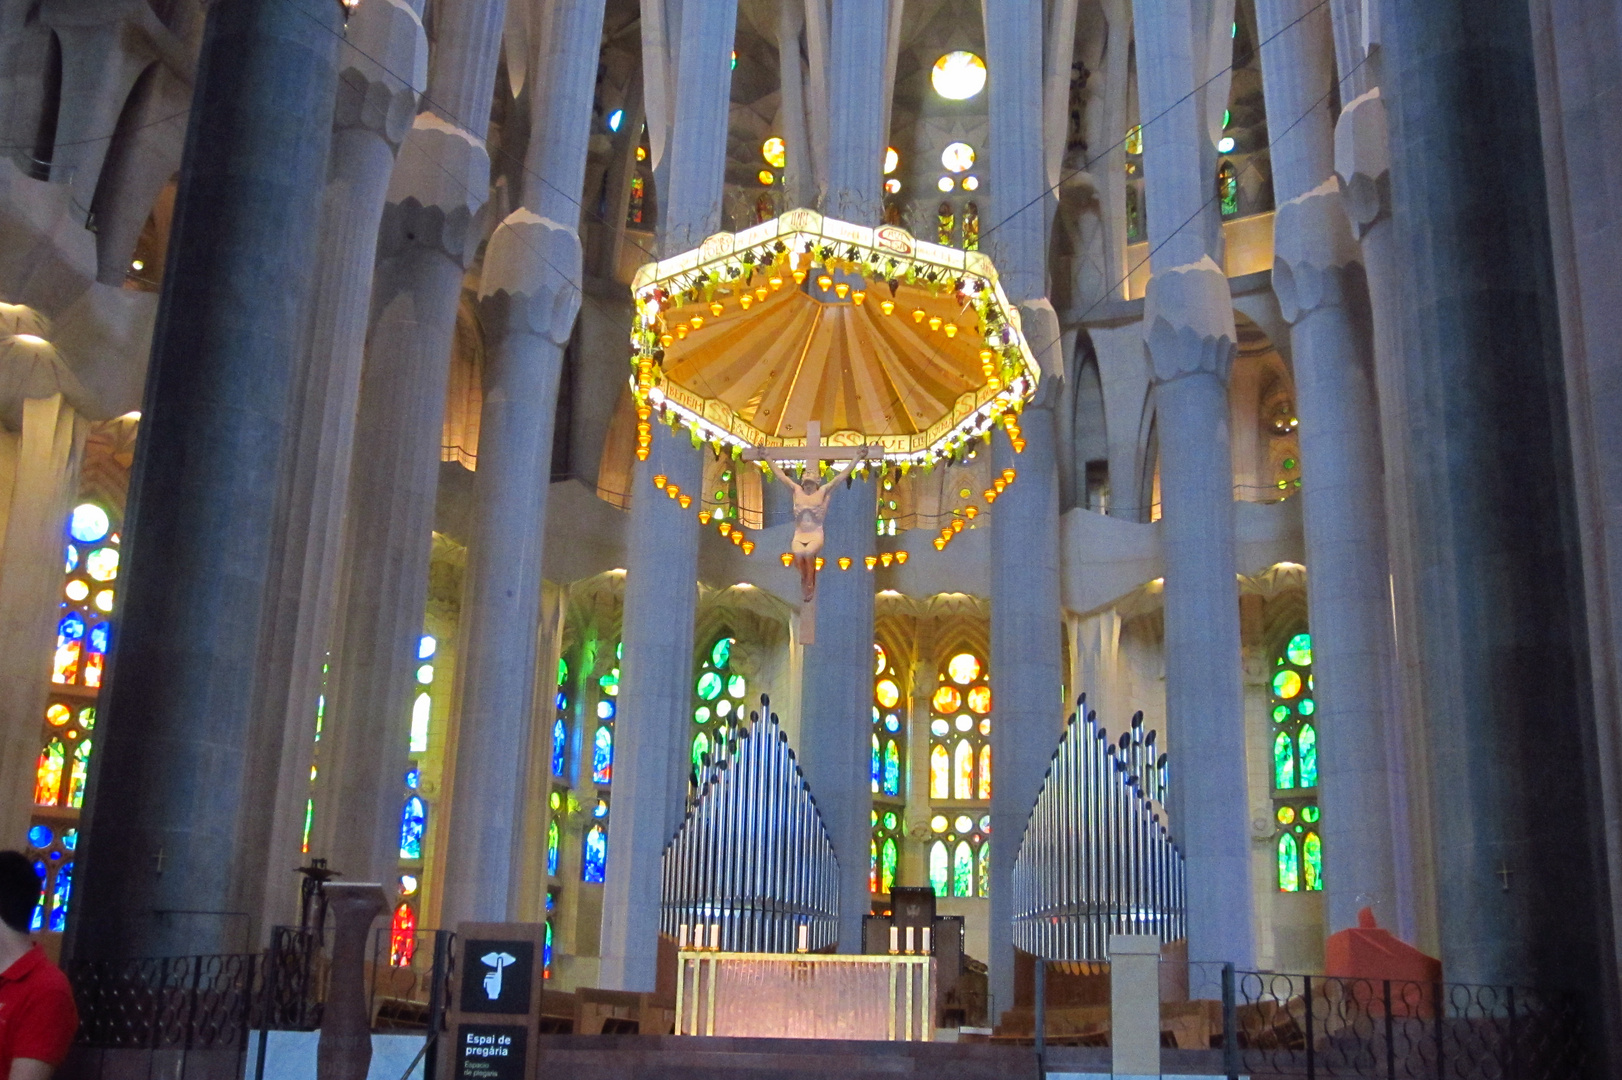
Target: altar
{"points": [[888, 997]]}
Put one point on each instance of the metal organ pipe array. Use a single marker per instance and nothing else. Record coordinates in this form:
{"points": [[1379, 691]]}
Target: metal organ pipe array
{"points": [[1096, 858], [752, 857]]}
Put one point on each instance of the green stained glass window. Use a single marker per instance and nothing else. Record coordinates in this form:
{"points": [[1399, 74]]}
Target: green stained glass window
{"points": [[1299, 650], [1289, 864], [890, 819], [887, 864], [1308, 742], [552, 848], [1281, 713], [1287, 684], [701, 746], [709, 686], [736, 686], [1312, 860], [939, 879], [1309, 814], [1283, 762], [983, 859], [963, 869], [892, 768], [721, 652], [1307, 707]]}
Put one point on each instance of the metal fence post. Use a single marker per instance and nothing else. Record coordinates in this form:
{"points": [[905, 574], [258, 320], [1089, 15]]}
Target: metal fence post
{"points": [[1312, 1070], [1441, 1004], [438, 984], [1514, 1068], [1041, 1024], [1230, 1024], [1390, 1039]]}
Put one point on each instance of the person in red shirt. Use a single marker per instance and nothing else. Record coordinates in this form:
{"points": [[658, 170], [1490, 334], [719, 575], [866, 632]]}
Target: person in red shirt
{"points": [[37, 1016]]}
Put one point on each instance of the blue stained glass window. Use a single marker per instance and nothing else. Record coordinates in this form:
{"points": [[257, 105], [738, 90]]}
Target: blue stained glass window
{"points": [[98, 638], [40, 836], [60, 896], [88, 523], [552, 848], [561, 701], [426, 646], [605, 709], [602, 755], [892, 769], [560, 738], [413, 823], [38, 920], [595, 864], [546, 950], [876, 768], [71, 562], [70, 839], [413, 777], [70, 628]]}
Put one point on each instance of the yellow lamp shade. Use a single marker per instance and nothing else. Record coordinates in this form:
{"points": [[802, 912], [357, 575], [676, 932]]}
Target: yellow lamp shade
{"points": [[844, 562], [786, 559]]}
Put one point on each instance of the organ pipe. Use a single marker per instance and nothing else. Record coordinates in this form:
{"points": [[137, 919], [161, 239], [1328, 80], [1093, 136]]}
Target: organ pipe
{"points": [[752, 855], [1096, 858]]}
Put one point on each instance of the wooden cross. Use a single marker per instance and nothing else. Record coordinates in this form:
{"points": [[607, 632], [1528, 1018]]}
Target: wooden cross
{"points": [[1504, 873], [814, 452]]}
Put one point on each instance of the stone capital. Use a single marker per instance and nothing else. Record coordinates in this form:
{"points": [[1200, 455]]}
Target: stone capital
{"points": [[384, 44], [1312, 250], [1188, 324], [1363, 159], [1040, 325], [439, 185], [536, 263]]}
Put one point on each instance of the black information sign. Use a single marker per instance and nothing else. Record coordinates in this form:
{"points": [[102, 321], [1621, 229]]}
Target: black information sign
{"points": [[496, 975], [490, 1052]]}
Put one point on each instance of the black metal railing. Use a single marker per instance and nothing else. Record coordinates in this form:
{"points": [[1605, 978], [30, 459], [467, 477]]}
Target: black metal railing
{"points": [[1312, 1026], [187, 1002]]}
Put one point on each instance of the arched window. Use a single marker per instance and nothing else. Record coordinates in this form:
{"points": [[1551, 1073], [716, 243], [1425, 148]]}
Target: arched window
{"points": [[422, 707], [961, 854], [552, 843], [888, 743], [884, 851], [402, 935], [971, 227], [1295, 766], [938, 874], [639, 193], [719, 692], [594, 866], [946, 219], [413, 824], [1228, 188], [602, 739], [560, 721], [960, 731]]}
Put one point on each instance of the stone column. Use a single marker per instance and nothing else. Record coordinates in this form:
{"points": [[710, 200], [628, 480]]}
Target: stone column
{"points": [[168, 786], [661, 560], [49, 453], [836, 701], [1505, 678], [1363, 166], [1027, 626], [529, 296], [374, 111], [1189, 339], [1318, 278], [428, 234]]}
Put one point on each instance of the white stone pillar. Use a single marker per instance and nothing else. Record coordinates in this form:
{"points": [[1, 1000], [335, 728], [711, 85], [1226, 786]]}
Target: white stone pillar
{"points": [[1190, 340], [1317, 276], [50, 449], [1362, 164], [373, 112], [1027, 625], [429, 232], [529, 296], [661, 586]]}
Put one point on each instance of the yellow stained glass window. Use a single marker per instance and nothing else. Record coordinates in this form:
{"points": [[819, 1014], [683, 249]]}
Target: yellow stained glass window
{"points": [[963, 770], [939, 771]]}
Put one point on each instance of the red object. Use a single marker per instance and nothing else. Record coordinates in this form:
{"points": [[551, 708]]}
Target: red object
{"points": [[1368, 952], [37, 1017]]}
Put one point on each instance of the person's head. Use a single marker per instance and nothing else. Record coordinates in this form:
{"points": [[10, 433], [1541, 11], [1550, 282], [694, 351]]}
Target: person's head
{"points": [[19, 890], [809, 486]]}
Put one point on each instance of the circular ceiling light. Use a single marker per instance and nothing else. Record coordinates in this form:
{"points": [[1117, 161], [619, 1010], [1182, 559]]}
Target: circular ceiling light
{"points": [[971, 183], [958, 76], [775, 153], [945, 183], [891, 160], [957, 157]]}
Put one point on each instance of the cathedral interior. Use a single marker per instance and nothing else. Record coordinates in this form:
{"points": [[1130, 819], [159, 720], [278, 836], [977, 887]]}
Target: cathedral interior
{"points": [[403, 379]]}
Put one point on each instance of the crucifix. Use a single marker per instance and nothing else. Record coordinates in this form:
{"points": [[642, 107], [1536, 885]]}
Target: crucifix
{"points": [[1504, 873], [811, 506]]}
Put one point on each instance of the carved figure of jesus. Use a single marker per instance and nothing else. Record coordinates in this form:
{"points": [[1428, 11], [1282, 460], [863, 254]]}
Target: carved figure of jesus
{"points": [[810, 512]]}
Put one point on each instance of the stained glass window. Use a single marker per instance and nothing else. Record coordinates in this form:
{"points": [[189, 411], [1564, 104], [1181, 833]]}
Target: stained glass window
{"points": [[946, 222], [413, 824], [963, 770], [402, 935], [939, 772], [48, 774], [552, 847], [963, 870], [1295, 765], [61, 892], [971, 227], [938, 874], [720, 689], [884, 849], [594, 865], [1228, 188], [1289, 864], [888, 768], [960, 730], [546, 948], [602, 755]]}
